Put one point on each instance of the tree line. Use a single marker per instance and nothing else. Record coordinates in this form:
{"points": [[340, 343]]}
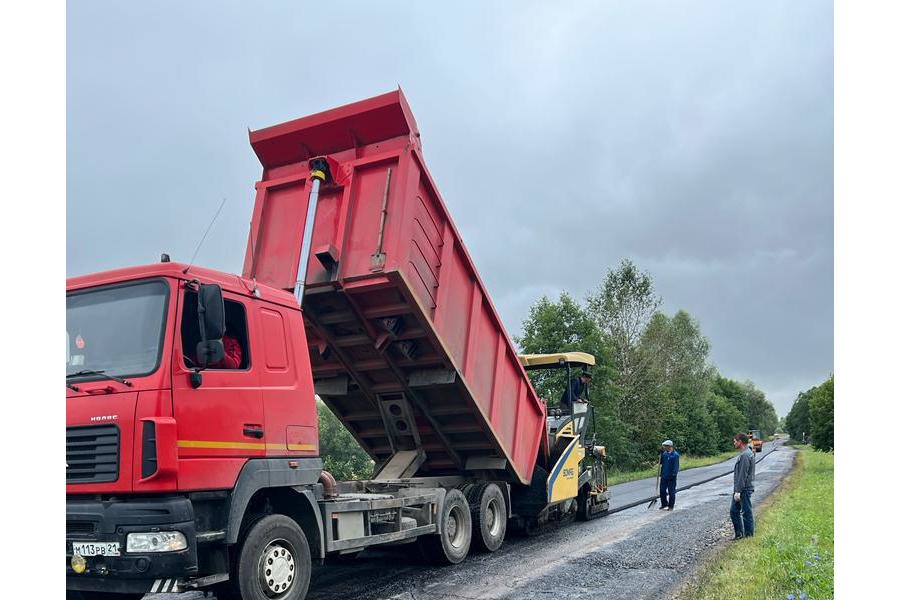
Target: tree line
{"points": [[812, 416], [653, 378]]}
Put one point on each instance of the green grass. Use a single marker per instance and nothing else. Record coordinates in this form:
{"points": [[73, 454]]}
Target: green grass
{"points": [[685, 462], [793, 549]]}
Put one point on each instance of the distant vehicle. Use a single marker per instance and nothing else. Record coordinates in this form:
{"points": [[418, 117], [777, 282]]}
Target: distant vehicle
{"points": [[755, 440]]}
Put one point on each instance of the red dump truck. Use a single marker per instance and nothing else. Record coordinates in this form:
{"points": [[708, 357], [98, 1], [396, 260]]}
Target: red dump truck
{"points": [[192, 456]]}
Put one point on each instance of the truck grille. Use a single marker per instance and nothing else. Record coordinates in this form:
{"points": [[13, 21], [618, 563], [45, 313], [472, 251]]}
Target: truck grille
{"points": [[79, 528], [92, 454]]}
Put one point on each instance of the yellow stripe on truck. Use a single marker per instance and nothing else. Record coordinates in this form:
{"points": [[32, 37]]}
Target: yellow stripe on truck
{"points": [[307, 447], [227, 445], [214, 444]]}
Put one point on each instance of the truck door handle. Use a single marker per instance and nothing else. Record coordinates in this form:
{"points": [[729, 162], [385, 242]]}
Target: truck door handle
{"points": [[253, 431]]}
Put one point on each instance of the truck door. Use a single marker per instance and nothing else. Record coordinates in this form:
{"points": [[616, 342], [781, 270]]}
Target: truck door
{"points": [[286, 383], [222, 420]]}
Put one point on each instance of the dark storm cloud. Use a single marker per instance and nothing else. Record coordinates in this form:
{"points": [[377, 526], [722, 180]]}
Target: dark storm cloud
{"points": [[694, 138]]}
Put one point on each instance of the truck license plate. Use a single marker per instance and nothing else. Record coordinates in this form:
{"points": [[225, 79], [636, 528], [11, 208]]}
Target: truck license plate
{"points": [[96, 548]]}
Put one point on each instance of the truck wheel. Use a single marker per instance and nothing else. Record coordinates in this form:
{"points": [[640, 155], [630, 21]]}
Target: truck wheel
{"points": [[488, 516], [451, 545], [273, 561]]}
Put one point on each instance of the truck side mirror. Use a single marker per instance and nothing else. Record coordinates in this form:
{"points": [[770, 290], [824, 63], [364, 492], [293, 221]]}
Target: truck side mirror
{"points": [[211, 315], [210, 352], [211, 312]]}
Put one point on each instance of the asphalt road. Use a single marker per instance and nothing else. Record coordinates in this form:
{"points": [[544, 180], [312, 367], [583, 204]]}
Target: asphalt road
{"points": [[642, 490], [631, 554]]}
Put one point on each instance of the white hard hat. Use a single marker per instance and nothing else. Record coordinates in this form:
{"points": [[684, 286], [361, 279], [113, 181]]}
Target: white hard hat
{"points": [[668, 443]]}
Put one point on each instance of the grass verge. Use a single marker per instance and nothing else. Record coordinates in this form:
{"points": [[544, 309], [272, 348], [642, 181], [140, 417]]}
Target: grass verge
{"points": [[792, 554], [685, 462]]}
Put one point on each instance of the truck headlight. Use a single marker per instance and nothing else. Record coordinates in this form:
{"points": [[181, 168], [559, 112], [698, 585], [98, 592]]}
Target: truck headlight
{"points": [[162, 541]]}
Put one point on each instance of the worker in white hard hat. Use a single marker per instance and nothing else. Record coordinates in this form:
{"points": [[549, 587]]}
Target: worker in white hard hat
{"points": [[668, 475]]}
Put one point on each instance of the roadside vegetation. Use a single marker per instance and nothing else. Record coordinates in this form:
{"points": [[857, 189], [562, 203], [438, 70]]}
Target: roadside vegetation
{"points": [[685, 461], [792, 554], [811, 419], [653, 378], [342, 455]]}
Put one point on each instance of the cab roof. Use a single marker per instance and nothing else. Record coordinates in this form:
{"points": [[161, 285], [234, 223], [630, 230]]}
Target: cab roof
{"points": [[229, 282], [555, 361]]}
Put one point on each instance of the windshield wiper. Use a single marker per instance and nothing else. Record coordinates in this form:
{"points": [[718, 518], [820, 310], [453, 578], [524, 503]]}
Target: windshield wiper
{"points": [[101, 372], [71, 387]]}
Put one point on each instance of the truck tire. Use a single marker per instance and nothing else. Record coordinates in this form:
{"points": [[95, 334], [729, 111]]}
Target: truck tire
{"points": [[488, 516], [272, 562], [451, 545]]}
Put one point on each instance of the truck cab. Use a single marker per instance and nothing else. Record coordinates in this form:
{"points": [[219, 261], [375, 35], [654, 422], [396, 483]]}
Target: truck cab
{"points": [[151, 433]]}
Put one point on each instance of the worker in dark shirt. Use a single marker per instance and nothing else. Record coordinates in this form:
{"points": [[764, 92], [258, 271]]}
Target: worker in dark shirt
{"points": [[668, 475], [744, 473], [577, 386]]}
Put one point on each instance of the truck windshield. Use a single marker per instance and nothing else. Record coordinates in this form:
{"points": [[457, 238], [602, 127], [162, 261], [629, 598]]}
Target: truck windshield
{"points": [[117, 330]]}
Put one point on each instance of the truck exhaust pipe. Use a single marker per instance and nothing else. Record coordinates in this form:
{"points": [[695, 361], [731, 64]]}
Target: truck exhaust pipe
{"points": [[329, 483]]}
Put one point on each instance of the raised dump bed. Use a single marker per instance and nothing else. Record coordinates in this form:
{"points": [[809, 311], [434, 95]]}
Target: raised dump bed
{"points": [[406, 346]]}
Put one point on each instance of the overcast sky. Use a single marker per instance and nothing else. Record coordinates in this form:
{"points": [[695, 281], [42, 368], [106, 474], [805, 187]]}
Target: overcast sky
{"points": [[695, 138]]}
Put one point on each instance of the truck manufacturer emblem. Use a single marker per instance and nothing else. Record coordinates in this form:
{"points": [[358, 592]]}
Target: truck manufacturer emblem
{"points": [[104, 418]]}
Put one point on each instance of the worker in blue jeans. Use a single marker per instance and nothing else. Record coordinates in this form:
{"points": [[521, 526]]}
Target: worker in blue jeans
{"points": [[744, 473], [668, 474]]}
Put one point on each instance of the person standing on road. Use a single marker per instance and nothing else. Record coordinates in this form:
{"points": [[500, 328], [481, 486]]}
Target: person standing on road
{"points": [[668, 473], [744, 473]]}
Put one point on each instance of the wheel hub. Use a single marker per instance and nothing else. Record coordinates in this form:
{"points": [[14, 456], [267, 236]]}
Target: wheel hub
{"points": [[493, 521], [456, 530], [451, 527], [276, 572]]}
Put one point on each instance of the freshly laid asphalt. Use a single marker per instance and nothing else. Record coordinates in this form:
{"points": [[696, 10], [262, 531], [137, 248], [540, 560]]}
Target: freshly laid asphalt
{"points": [[632, 493], [633, 553]]}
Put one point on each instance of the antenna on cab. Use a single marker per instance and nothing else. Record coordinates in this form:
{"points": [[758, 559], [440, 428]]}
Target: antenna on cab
{"points": [[215, 216]]}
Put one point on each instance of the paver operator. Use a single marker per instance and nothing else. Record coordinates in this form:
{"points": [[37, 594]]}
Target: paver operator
{"points": [[668, 474], [744, 473], [573, 392]]}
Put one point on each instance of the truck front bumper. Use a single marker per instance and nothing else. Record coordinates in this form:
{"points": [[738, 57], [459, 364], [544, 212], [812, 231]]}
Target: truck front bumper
{"points": [[90, 520]]}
